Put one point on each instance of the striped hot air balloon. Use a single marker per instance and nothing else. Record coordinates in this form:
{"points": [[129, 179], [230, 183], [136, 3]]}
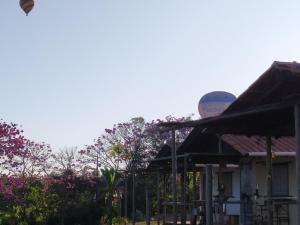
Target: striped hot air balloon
{"points": [[27, 5]]}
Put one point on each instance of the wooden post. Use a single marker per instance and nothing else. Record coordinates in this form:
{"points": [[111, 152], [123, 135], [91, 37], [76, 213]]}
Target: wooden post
{"points": [[194, 208], [158, 196], [147, 203], [254, 187], [120, 205], [182, 196], [221, 195], [133, 197], [297, 140], [269, 181], [208, 195], [174, 173], [164, 200], [126, 198], [184, 188]]}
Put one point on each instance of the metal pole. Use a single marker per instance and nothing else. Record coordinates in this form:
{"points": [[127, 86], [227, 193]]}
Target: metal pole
{"points": [[297, 140], [174, 172], [158, 196], [208, 195], [269, 180]]}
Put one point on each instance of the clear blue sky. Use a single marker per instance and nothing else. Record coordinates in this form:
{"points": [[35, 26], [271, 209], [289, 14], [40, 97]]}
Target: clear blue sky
{"points": [[72, 68]]}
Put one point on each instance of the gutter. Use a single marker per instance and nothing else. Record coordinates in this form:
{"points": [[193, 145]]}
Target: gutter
{"points": [[290, 154]]}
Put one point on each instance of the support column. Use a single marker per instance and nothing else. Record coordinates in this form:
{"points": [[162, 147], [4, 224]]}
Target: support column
{"points": [[269, 181], [194, 208], [185, 188], [221, 192], [147, 203], [164, 199], [133, 197], [247, 190], [174, 172], [297, 140], [158, 196], [182, 206], [126, 198], [208, 195]]}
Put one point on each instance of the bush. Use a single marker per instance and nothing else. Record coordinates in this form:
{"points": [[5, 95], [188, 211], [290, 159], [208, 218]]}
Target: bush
{"points": [[119, 221]]}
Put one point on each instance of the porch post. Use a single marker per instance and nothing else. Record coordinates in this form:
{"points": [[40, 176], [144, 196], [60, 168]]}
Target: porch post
{"points": [[174, 172], [147, 203], [184, 188], [164, 199], [194, 214], [221, 194], [208, 195], [158, 196], [126, 198], [297, 140], [269, 181], [182, 196], [133, 197]]}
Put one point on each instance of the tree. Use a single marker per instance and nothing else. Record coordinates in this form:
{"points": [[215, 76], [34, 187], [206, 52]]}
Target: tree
{"points": [[12, 145], [127, 147], [110, 180], [133, 142]]}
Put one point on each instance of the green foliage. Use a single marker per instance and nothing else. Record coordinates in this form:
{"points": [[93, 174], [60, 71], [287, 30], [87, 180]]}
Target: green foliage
{"points": [[34, 210], [119, 221], [58, 204]]}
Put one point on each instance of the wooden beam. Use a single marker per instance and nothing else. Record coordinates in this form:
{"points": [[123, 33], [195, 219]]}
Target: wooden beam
{"points": [[232, 116], [174, 173], [208, 195], [269, 181], [297, 140]]}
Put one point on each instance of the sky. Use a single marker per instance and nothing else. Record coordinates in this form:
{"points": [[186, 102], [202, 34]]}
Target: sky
{"points": [[73, 68]]}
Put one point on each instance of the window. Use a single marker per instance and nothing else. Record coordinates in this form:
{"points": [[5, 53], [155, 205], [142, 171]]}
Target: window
{"points": [[280, 180], [226, 180]]}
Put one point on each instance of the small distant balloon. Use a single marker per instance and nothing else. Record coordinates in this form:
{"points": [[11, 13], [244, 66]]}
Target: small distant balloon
{"points": [[214, 103], [27, 5]]}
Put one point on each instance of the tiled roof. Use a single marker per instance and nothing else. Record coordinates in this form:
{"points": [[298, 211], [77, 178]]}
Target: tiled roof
{"points": [[246, 145]]}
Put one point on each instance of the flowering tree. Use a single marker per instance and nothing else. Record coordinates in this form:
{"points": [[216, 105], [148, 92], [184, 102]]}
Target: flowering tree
{"points": [[11, 145], [133, 142], [23, 169]]}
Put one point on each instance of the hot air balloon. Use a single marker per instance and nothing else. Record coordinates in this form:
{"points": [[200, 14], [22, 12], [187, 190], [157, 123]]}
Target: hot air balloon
{"points": [[27, 5]]}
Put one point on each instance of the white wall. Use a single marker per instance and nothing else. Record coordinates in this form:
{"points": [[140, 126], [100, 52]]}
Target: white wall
{"points": [[231, 209], [262, 183]]}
